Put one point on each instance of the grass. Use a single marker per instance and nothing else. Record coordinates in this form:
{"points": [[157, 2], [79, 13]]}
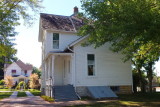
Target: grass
{"points": [[7, 89], [130, 100], [47, 98], [21, 94], [4, 94], [35, 92]]}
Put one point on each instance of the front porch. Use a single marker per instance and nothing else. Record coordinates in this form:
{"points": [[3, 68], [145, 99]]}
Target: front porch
{"points": [[57, 72]]}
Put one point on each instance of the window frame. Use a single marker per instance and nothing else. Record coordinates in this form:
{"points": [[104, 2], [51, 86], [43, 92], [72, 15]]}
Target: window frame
{"points": [[14, 72], [94, 72], [54, 41]]}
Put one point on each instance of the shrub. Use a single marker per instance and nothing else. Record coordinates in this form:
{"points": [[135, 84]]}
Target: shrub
{"points": [[47, 98], [2, 82], [9, 81], [22, 83], [1, 86], [34, 81]]}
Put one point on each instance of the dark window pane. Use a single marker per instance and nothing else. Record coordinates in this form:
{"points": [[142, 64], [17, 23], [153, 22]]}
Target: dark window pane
{"points": [[90, 57], [55, 36], [55, 44], [90, 70]]}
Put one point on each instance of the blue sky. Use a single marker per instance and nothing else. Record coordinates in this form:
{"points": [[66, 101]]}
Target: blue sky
{"points": [[29, 49]]}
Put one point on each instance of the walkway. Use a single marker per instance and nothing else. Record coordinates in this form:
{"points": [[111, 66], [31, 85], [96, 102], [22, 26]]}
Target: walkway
{"points": [[31, 100]]}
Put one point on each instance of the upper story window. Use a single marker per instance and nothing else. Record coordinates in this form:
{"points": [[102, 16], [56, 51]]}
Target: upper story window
{"points": [[91, 64], [25, 72], [13, 72], [55, 41]]}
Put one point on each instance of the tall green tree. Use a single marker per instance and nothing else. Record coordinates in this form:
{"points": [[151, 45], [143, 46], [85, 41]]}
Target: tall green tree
{"points": [[131, 27], [126, 24], [10, 13]]}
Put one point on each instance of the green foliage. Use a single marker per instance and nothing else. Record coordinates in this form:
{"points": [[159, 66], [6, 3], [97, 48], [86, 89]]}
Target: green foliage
{"points": [[47, 98], [129, 25], [2, 82], [10, 13], [37, 71], [21, 84], [1, 86]]}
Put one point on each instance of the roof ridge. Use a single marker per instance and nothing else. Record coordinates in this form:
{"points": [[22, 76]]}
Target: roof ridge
{"points": [[53, 14], [72, 24]]}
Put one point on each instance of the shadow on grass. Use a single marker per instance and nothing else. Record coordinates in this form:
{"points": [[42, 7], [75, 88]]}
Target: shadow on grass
{"points": [[140, 97], [5, 94]]}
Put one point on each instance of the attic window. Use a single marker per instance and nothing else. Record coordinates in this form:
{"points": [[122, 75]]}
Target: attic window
{"points": [[55, 41], [13, 72]]}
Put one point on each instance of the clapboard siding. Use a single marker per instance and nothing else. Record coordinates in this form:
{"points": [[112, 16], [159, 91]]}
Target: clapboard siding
{"points": [[64, 40], [110, 70]]}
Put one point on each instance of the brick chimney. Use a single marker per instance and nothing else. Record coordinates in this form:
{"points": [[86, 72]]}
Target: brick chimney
{"points": [[75, 9]]}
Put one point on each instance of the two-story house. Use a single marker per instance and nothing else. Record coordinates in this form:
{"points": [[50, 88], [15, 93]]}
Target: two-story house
{"points": [[18, 70], [66, 62]]}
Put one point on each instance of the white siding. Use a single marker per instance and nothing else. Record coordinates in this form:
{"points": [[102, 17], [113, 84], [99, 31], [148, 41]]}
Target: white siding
{"points": [[13, 66], [64, 40], [110, 70]]}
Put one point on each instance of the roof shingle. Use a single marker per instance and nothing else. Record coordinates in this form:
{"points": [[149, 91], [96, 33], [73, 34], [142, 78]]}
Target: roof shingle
{"points": [[58, 22]]}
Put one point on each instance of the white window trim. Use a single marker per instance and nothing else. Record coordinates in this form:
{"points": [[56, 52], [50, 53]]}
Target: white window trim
{"points": [[91, 76], [56, 40]]}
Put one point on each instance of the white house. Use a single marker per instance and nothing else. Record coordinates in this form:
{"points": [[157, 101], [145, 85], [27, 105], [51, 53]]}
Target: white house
{"points": [[65, 61], [18, 70]]}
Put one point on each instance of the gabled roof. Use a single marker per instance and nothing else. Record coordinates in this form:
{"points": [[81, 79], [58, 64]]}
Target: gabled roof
{"points": [[22, 65], [60, 23]]}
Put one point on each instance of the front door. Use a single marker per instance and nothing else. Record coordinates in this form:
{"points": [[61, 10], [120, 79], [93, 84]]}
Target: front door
{"points": [[66, 72], [58, 73]]}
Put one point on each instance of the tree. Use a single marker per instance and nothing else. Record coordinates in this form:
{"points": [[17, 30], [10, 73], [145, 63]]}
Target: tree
{"points": [[126, 24], [131, 27], [9, 81], [36, 71], [10, 13], [34, 81]]}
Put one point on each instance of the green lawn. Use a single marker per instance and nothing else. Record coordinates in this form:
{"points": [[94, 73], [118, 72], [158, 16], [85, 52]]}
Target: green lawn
{"points": [[35, 92], [4, 94], [7, 89], [131, 100], [21, 94]]}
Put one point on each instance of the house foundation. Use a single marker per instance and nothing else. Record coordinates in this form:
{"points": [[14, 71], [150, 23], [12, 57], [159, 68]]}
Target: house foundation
{"points": [[125, 89]]}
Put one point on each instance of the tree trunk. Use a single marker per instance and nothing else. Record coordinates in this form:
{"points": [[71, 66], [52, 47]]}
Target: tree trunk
{"points": [[150, 75], [140, 80]]}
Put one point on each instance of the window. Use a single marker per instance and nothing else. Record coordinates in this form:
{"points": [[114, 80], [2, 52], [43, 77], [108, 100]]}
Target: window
{"points": [[55, 41], [13, 72], [91, 64], [25, 72], [115, 88]]}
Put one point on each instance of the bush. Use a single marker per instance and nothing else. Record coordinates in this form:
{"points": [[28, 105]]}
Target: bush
{"points": [[2, 82], [47, 98], [1, 86], [22, 83]]}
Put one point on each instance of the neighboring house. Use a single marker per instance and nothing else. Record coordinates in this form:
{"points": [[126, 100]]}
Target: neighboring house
{"points": [[65, 61], [18, 70]]}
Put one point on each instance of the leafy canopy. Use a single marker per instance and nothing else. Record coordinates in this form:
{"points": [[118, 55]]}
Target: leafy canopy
{"points": [[129, 25]]}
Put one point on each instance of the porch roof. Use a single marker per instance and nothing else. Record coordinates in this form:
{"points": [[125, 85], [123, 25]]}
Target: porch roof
{"points": [[62, 53]]}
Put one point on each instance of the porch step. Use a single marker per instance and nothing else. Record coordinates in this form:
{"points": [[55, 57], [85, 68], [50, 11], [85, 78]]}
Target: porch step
{"points": [[99, 92], [65, 93]]}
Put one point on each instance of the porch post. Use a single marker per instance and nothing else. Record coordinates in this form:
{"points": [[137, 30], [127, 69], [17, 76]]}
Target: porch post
{"points": [[52, 75]]}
